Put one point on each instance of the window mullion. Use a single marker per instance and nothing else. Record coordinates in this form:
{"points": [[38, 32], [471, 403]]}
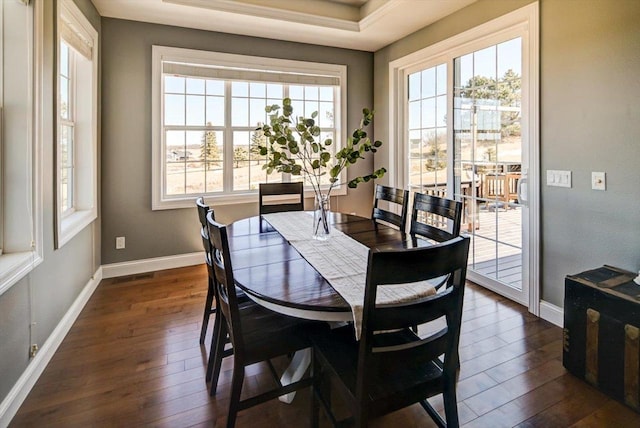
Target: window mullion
{"points": [[227, 148]]}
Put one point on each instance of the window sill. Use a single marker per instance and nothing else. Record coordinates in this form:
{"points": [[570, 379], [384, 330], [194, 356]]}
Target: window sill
{"points": [[14, 266], [228, 199], [73, 224]]}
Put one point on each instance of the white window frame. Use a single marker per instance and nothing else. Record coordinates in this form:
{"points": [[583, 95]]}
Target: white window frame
{"points": [[250, 64], [82, 38], [525, 19], [21, 143]]}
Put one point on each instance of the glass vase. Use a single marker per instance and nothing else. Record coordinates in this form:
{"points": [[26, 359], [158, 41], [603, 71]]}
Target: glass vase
{"points": [[321, 210]]}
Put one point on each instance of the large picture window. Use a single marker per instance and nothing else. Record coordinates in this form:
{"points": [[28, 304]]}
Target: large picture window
{"points": [[207, 108]]}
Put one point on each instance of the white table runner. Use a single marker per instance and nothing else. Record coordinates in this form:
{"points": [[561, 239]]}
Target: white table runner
{"points": [[342, 261]]}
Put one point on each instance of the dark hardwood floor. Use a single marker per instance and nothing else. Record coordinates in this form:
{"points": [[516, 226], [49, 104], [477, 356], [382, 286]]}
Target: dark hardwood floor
{"points": [[133, 359]]}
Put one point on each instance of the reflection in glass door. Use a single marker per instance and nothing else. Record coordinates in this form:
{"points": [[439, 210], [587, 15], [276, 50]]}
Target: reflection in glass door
{"points": [[491, 164]]}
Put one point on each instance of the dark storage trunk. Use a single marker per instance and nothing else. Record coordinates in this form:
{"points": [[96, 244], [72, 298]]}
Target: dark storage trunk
{"points": [[602, 331]]}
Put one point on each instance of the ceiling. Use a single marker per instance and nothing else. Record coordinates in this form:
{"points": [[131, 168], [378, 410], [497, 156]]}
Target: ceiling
{"points": [[355, 24]]}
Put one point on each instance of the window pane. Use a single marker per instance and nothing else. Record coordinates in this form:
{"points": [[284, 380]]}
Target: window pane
{"points": [[510, 57], [195, 177], [64, 98], [174, 84], [66, 146], [310, 107], [215, 111], [464, 70], [258, 90], [195, 86], [311, 92], [275, 91], [242, 168], [174, 110], [239, 112], [414, 86], [428, 82], [441, 79], [240, 89], [441, 111], [325, 115], [64, 59], [296, 92], [326, 93], [258, 115], [414, 114], [485, 62], [428, 113], [215, 87], [195, 110]]}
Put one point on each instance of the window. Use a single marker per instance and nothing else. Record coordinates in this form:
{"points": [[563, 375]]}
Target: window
{"points": [[207, 107], [20, 140], [77, 123]]}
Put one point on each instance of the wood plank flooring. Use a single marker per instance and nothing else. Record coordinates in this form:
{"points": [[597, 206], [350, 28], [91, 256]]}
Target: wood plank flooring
{"points": [[133, 359]]}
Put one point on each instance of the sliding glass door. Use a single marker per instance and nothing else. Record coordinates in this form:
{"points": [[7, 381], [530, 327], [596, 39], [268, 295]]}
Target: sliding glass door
{"points": [[467, 117]]}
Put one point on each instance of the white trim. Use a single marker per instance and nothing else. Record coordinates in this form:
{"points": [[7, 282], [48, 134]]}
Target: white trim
{"points": [[113, 270], [12, 402], [14, 266], [552, 313]]}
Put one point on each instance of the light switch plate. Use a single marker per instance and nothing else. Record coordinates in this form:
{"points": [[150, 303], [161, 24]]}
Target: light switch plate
{"points": [[598, 181], [558, 178]]}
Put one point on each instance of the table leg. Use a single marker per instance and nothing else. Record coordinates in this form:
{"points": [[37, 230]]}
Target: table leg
{"points": [[298, 366]]}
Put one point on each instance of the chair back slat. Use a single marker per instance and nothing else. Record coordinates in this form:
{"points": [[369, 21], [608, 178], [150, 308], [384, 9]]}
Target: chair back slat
{"points": [[394, 196], [435, 218], [293, 190], [226, 295], [381, 321]]}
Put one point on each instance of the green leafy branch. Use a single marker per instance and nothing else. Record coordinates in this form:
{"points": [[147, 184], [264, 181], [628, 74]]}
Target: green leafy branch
{"points": [[294, 146]]}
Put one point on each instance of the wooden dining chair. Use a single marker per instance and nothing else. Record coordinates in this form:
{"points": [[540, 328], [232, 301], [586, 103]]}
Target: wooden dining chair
{"points": [[435, 218], [269, 202], [393, 196], [209, 306], [257, 334], [391, 367]]}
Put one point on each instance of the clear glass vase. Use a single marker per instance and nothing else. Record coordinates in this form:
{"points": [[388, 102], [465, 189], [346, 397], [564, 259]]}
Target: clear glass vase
{"points": [[321, 227]]}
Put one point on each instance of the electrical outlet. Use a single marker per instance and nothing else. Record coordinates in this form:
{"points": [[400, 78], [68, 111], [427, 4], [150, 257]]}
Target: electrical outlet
{"points": [[120, 243], [33, 350], [598, 181]]}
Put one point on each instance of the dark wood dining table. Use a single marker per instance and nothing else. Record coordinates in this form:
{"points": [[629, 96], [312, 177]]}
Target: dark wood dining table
{"points": [[272, 272]]}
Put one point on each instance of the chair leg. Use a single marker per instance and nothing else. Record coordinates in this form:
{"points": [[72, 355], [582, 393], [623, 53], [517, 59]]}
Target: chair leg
{"points": [[217, 354], [450, 404], [315, 373], [236, 390], [207, 312]]}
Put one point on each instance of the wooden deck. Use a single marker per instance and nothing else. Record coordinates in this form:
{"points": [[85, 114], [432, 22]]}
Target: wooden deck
{"points": [[133, 359], [504, 262]]}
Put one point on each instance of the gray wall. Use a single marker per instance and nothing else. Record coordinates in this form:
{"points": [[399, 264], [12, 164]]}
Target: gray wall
{"points": [[590, 111], [126, 136], [45, 295]]}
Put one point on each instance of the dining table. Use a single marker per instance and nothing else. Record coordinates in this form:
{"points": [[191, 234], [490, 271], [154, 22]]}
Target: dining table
{"points": [[272, 271]]}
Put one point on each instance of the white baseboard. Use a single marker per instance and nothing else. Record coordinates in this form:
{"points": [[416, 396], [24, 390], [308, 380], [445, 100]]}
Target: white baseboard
{"points": [[552, 313], [12, 402], [114, 270]]}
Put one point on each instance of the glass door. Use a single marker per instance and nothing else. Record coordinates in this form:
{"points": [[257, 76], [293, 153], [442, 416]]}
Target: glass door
{"points": [[491, 165]]}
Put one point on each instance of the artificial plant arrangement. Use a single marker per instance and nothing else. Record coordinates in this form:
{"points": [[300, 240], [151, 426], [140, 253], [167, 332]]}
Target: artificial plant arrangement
{"points": [[293, 145]]}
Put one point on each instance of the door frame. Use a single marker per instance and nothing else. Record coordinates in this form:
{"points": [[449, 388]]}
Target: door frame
{"points": [[526, 20]]}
